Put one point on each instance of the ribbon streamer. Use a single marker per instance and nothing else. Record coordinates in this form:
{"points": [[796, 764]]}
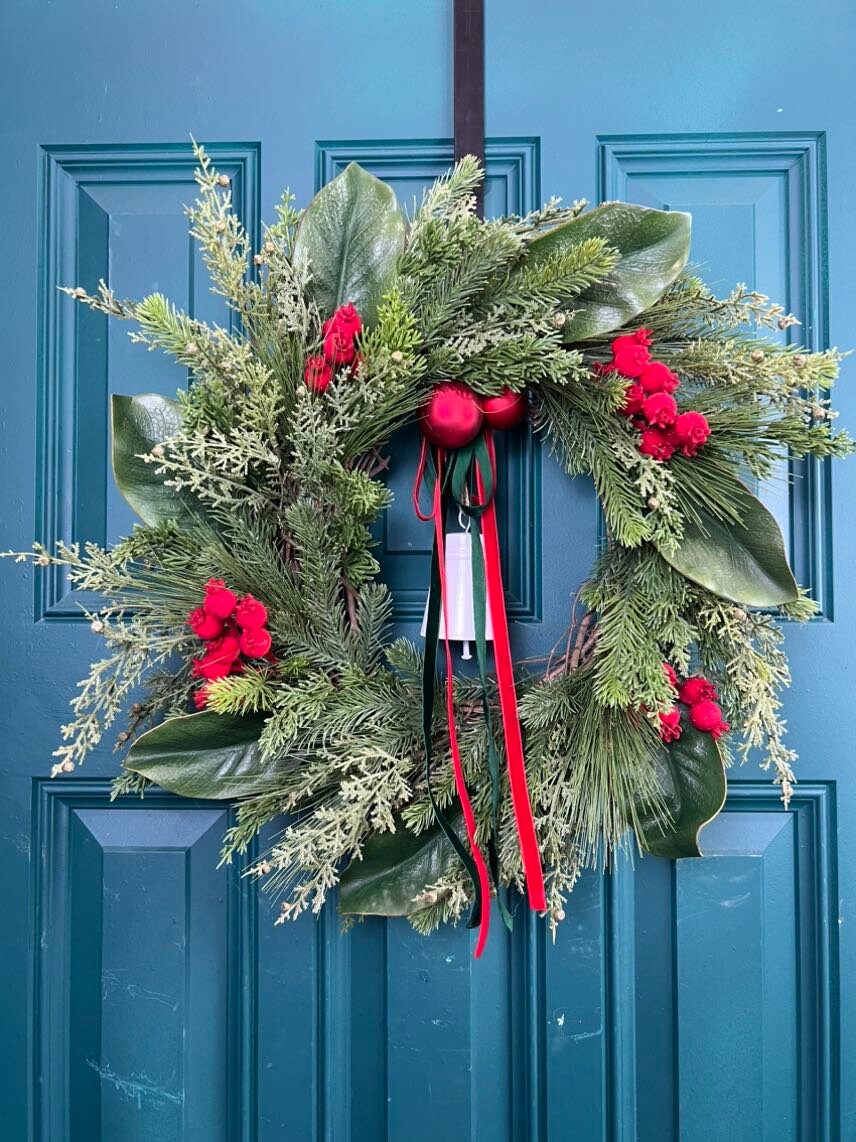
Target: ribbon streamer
{"points": [[479, 458], [507, 692], [473, 860], [461, 473]]}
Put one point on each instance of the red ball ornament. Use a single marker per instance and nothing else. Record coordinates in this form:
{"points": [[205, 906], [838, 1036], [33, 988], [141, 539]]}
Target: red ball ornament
{"points": [[452, 417], [506, 410]]}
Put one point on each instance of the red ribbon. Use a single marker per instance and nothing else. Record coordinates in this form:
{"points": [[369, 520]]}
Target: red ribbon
{"points": [[508, 696], [520, 799], [460, 782]]}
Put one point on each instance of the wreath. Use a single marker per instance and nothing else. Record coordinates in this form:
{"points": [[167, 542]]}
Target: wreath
{"points": [[248, 634]]}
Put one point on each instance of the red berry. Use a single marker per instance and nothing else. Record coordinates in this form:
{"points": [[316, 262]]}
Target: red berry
{"points": [[633, 398], [218, 658], [228, 647], [219, 600], [670, 725], [250, 613], [642, 337], [697, 689], [255, 643], [630, 352], [200, 697], [340, 332], [691, 432], [717, 731], [317, 374], [660, 410], [656, 444], [659, 378], [205, 625], [210, 667], [706, 715], [669, 671], [629, 357]]}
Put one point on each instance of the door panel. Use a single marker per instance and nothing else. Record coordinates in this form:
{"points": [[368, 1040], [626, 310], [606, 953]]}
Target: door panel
{"points": [[736, 974], [112, 213], [392, 1028], [137, 932], [147, 994]]}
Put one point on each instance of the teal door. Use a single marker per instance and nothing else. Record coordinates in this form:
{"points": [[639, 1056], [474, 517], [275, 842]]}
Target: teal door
{"points": [[146, 995]]}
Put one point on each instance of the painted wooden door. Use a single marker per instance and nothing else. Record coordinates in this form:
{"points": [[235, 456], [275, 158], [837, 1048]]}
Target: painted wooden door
{"points": [[146, 996]]}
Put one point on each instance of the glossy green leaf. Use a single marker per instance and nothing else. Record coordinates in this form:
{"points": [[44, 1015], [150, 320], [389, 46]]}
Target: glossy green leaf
{"points": [[139, 423], [653, 246], [206, 755], [744, 562], [395, 868], [692, 783], [350, 237]]}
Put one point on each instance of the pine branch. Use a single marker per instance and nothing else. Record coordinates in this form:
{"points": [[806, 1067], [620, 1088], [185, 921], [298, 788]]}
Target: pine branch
{"points": [[564, 274]]}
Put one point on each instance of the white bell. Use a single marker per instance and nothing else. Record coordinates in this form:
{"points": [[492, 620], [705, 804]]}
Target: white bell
{"points": [[459, 594]]}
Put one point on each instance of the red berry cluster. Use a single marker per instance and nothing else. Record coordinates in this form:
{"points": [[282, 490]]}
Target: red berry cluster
{"points": [[340, 348], [234, 629], [649, 402], [700, 695]]}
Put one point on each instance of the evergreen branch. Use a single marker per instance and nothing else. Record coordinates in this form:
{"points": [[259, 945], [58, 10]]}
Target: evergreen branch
{"points": [[564, 274]]}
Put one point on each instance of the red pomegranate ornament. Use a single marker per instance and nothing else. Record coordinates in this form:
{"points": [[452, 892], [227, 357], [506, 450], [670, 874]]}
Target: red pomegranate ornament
{"points": [[505, 410], [451, 417]]}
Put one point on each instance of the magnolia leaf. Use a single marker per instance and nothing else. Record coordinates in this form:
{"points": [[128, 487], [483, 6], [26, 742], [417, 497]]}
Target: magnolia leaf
{"points": [[350, 237], [395, 868], [692, 785], [140, 423], [744, 562], [214, 756], [653, 247]]}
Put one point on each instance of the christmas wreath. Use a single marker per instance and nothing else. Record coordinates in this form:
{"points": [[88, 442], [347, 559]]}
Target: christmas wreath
{"points": [[248, 633]]}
